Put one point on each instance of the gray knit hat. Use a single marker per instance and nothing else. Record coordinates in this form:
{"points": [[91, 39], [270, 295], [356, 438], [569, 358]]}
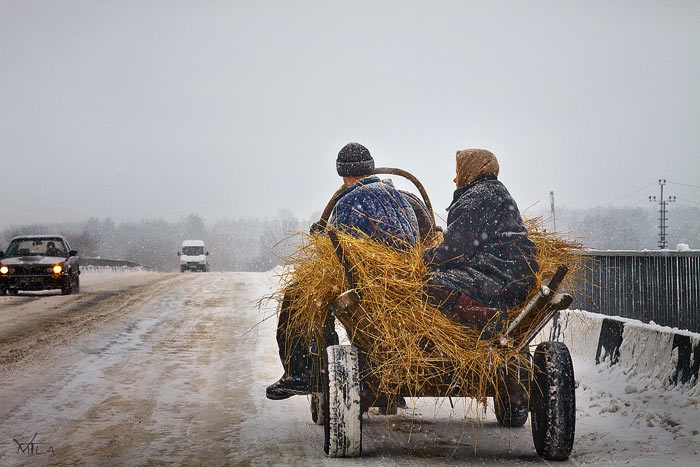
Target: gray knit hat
{"points": [[354, 160]]}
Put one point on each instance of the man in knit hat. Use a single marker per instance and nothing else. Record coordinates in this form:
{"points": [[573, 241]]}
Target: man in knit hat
{"points": [[486, 262], [368, 206]]}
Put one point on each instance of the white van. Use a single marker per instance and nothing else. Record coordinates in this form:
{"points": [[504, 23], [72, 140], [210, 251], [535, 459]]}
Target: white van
{"points": [[193, 256]]}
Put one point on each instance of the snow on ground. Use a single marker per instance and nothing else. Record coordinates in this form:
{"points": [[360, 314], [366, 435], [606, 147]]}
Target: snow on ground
{"points": [[178, 375], [633, 420], [633, 400], [102, 277]]}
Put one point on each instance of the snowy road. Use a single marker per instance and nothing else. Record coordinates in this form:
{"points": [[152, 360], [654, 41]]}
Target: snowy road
{"points": [[145, 369]]}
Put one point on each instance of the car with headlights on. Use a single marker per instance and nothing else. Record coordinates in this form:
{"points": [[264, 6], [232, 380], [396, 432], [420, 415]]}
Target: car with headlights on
{"points": [[39, 262]]}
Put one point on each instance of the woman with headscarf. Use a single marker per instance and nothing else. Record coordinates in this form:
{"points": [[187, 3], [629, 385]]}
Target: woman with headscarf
{"points": [[486, 262]]}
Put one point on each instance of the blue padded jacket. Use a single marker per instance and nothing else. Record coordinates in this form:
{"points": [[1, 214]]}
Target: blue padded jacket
{"points": [[378, 210]]}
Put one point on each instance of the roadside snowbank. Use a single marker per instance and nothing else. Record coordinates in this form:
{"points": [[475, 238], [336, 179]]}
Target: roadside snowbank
{"points": [[89, 270], [638, 397], [669, 357]]}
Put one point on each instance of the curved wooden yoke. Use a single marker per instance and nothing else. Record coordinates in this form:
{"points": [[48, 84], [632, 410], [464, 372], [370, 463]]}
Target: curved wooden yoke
{"points": [[383, 171]]}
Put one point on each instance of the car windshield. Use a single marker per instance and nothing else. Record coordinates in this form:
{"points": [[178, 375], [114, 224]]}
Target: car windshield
{"points": [[37, 247], [192, 250]]}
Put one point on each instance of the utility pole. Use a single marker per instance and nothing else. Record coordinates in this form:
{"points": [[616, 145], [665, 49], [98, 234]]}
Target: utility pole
{"points": [[662, 212], [554, 218]]}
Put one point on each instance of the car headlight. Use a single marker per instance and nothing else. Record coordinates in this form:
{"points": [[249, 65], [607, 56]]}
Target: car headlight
{"points": [[4, 269], [57, 269]]}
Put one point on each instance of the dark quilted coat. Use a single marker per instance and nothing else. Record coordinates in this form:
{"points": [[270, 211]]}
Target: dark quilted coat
{"points": [[378, 210], [486, 253]]}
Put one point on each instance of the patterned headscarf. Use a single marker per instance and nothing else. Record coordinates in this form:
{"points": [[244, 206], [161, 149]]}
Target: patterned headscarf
{"points": [[473, 163]]}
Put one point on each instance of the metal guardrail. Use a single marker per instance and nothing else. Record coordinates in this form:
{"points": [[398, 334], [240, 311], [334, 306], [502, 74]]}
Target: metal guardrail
{"points": [[109, 263], [661, 286]]}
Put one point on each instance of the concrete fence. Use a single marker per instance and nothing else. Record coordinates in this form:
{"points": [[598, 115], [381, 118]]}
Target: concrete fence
{"points": [[669, 355]]}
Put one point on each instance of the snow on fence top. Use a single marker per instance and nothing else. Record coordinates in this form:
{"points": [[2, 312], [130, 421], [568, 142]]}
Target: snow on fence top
{"points": [[642, 253]]}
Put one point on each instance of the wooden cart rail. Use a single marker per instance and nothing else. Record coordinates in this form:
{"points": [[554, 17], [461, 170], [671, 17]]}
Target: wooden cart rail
{"points": [[382, 171]]}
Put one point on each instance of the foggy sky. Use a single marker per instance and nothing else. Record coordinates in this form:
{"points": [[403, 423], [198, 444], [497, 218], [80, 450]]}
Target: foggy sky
{"points": [[142, 109]]}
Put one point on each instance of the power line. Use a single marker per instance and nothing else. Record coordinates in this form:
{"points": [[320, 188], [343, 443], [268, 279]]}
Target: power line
{"points": [[688, 201], [630, 194], [685, 184]]}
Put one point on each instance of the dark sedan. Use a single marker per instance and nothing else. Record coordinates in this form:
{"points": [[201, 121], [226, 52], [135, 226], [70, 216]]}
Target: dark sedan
{"points": [[39, 262]]}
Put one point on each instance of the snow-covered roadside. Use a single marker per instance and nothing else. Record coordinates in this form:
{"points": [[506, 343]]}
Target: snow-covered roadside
{"points": [[628, 408], [95, 279], [104, 272], [89, 269], [623, 418]]}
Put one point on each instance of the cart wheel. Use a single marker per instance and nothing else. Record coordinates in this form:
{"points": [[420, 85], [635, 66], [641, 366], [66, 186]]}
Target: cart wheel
{"points": [[512, 394], [317, 408], [553, 401], [342, 409]]}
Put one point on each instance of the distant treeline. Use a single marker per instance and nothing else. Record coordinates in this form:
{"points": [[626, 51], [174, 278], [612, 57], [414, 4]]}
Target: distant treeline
{"points": [[627, 228], [258, 245], [233, 244]]}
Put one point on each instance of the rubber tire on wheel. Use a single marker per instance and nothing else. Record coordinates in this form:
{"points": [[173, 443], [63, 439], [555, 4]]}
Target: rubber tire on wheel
{"points": [[342, 408], [511, 401], [316, 404], [553, 401], [11, 291]]}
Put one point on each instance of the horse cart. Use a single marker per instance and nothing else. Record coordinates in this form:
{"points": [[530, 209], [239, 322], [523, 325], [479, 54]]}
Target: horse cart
{"points": [[543, 387]]}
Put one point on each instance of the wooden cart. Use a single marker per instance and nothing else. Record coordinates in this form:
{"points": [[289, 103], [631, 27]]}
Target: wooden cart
{"points": [[544, 388]]}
